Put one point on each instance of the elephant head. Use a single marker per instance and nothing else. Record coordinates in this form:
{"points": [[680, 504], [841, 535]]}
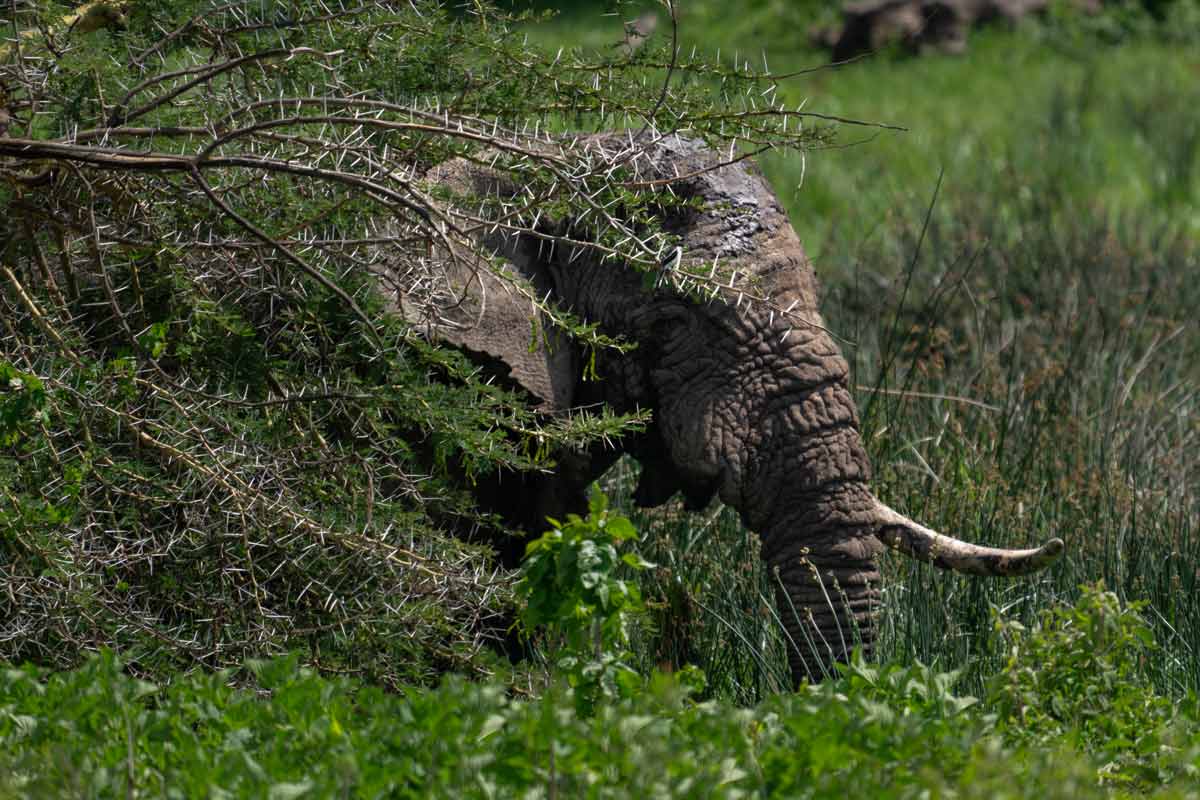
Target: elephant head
{"points": [[750, 400]]}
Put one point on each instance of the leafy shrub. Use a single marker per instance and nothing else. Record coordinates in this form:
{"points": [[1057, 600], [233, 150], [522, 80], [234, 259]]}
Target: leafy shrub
{"points": [[230, 445], [881, 732], [570, 586], [1078, 676]]}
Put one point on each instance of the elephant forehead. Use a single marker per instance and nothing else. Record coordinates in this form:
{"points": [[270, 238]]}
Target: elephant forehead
{"points": [[743, 223], [734, 231], [740, 222]]}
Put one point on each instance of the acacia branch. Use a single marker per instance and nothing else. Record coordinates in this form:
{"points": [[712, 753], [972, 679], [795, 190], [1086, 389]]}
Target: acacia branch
{"points": [[286, 252]]}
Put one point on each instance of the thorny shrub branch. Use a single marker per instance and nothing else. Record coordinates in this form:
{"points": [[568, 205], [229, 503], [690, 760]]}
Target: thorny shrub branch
{"points": [[214, 443]]}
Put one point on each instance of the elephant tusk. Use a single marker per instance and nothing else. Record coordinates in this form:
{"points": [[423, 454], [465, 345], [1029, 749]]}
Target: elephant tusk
{"points": [[901, 533]]}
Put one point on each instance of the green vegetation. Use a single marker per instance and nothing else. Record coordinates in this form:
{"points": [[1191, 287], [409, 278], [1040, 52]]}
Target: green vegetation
{"points": [[1076, 725], [208, 465], [218, 440], [571, 594]]}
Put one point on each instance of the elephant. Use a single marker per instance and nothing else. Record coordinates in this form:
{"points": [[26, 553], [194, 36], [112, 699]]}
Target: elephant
{"points": [[922, 25], [748, 403]]}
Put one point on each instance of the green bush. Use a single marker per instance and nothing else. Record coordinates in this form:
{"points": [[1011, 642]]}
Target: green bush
{"points": [[573, 596], [1067, 718], [1078, 676], [218, 438]]}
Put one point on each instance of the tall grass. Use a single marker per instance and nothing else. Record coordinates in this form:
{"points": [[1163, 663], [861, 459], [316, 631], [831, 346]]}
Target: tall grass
{"points": [[1059, 286], [711, 600], [1027, 363], [1081, 339]]}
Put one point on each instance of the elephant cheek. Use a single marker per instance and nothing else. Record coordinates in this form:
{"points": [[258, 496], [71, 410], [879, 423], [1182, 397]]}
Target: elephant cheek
{"points": [[700, 435], [800, 461]]}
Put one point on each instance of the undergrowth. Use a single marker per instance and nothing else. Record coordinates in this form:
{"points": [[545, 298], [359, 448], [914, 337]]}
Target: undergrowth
{"points": [[1051, 725]]}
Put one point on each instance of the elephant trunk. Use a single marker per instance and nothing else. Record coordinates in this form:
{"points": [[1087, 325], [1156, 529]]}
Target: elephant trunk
{"points": [[901, 533], [827, 581], [828, 609]]}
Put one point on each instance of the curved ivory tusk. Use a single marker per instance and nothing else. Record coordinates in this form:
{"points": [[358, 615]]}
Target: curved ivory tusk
{"points": [[901, 533]]}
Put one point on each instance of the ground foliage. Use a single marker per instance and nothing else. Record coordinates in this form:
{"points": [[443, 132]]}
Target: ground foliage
{"points": [[214, 442], [1067, 716], [1046, 729], [577, 601]]}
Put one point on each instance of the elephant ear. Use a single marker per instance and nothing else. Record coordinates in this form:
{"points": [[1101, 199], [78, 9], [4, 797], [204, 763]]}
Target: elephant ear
{"points": [[458, 298]]}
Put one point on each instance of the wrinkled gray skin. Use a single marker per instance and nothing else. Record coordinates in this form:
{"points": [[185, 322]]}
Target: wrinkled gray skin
{"points": [[746, 405]]}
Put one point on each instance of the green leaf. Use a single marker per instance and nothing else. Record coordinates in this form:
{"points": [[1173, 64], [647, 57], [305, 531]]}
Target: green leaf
{"points": [[636, 561], [491, 725], [290, 791]]}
